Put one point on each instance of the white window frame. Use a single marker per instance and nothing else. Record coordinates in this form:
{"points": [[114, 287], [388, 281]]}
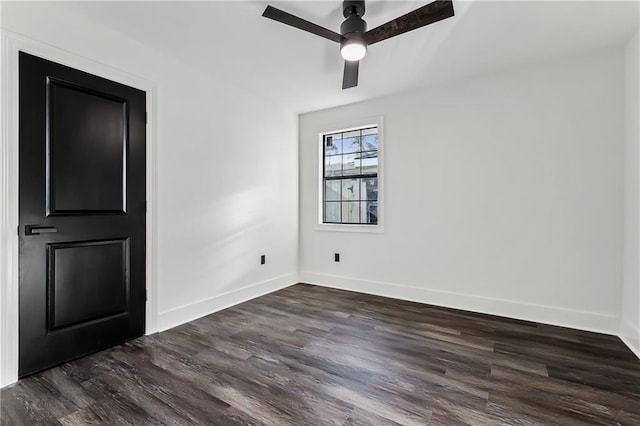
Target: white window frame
{"points": [[346, 127]]}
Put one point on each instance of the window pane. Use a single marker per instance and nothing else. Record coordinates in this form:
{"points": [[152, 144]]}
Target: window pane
{"points": [[369, 161], [333, 144], [369, 212], [351, 142], [369, 189], [333, 165], [351, 164], [370, 139], [350, 189], [350, 177], [332, 190], [332, 211], [351, 212]]}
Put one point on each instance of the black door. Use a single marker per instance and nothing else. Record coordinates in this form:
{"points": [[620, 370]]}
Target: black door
{"points": [[82, 213]]}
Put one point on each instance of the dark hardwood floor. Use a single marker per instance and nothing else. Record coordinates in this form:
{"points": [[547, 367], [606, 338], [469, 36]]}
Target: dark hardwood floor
{"points": [[308, 355]]}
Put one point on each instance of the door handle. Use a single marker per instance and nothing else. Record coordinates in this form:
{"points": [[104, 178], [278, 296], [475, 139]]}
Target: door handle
{"points": [[36, 229]]}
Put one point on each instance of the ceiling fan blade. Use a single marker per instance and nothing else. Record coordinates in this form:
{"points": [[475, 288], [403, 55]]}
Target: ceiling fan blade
{"points": [[350, 77], [425, 15], [292, 20]]}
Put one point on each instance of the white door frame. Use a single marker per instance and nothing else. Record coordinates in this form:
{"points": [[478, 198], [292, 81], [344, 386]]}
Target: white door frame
{"points": [[9, 302]]}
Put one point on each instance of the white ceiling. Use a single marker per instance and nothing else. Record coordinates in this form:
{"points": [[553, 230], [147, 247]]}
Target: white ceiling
{"points": [[301, 71]]}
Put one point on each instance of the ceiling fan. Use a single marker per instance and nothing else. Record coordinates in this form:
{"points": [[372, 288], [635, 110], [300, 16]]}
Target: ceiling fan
{"points": [[354, 37]]}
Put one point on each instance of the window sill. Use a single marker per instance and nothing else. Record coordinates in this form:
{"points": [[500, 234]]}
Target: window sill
{"points": [[334, 227]]}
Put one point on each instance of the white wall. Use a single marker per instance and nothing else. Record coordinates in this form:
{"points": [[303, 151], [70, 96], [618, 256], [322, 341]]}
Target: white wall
{"points": [[503, 195], [630, 321], [227, 170]]}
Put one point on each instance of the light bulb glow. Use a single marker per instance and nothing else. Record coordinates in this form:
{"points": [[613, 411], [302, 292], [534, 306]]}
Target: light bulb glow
{"points": [[353, 50]]}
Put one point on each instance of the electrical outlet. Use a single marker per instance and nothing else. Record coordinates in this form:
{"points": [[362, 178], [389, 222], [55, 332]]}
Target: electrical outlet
{"points": [[263, 259], [336, 257]]}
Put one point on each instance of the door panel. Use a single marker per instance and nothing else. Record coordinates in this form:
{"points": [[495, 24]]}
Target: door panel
{"points": [[82, 213], [96, 273], [87, 137]]}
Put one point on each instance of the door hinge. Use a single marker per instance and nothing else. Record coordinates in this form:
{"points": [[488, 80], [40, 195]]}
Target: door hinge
{"points": [[146, 209], [146, 119], [18, 230], [145, 295]]}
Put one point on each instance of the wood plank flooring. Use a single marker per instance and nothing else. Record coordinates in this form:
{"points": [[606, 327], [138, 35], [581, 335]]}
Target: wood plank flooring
{"points": [[308, 355]]}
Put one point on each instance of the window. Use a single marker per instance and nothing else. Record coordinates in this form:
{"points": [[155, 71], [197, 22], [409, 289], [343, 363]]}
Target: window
{"points": [[350, 177]]}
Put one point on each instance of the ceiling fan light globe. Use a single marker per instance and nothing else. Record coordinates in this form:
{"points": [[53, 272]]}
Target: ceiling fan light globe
{"points": [[353, 51]]}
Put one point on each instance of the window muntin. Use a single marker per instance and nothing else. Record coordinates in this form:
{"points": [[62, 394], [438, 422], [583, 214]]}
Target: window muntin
{"points": [[350, 177]]}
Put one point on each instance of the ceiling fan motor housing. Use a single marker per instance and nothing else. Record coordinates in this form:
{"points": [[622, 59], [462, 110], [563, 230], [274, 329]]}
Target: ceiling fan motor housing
{"points": [[353, 24], [352, 29]]}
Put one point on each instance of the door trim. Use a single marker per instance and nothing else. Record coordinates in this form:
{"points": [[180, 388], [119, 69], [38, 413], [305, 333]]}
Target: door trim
{"points": [[12, 43]]}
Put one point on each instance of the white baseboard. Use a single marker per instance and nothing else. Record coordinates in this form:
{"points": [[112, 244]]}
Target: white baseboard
{"points": [[553, 315], [630, 335], [183, 314]]}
